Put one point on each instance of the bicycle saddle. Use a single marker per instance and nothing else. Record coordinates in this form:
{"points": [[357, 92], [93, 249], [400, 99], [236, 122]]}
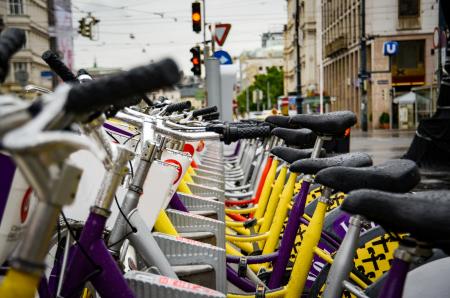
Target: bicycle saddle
{"points": [[397, 175], [329, 124], [291, 155], [314, 165], [424, 214], [279, 121], [295, 137]]}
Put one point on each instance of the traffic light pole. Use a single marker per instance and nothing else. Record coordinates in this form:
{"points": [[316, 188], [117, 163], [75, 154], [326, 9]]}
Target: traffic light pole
{"points": [[363, 67]]}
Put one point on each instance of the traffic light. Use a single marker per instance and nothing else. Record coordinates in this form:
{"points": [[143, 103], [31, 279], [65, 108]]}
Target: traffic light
{"points": [[196, 61], [82, 27], [196, 17]]}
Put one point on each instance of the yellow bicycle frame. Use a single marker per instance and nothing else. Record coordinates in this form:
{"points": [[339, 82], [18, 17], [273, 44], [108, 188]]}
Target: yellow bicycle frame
{"points": [[18, 284]]}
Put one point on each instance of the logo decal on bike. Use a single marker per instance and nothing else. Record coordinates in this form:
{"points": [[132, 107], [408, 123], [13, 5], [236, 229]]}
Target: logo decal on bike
{"points": [[179, 168], [25, 206]]}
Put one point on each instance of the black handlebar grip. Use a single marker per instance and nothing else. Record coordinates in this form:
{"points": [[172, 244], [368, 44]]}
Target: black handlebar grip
{"points": [[58, 67], [204, 111], [102, 93], [217, 128], [236, 133], [177, 107], [211, 116], [10, 42]]}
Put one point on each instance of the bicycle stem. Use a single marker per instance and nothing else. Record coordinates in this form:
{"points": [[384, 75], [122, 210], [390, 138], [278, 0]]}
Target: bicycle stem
{"points": [[134, 192]]}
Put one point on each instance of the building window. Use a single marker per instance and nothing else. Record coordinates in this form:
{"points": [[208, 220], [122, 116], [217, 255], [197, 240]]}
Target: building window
{"points": [[408, 8], [19, 66], [16, 7]]}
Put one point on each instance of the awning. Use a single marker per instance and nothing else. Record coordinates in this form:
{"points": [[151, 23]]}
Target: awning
{"points": [[410, 98]]}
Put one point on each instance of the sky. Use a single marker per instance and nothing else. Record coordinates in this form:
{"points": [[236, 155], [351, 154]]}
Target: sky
{"points": [[163, 28]]}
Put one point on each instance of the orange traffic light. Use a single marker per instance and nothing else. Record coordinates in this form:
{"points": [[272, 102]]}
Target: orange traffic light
{"points": [[196, 17]]}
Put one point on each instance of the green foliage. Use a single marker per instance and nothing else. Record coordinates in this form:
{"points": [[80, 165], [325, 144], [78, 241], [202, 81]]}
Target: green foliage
{"points": [[384, 118], [275, 77]]}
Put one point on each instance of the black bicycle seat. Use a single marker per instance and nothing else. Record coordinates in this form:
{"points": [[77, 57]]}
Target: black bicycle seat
{"points": [[397, 175], [295, 137], [279, 121], [291, 155], [314, 165], [329, 124], [425, 215]]}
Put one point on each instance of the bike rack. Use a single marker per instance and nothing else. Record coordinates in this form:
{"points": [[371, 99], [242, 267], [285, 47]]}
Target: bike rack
{"points": [[182, 251], [146, 284], [190, 223], [197, 203], [207, 192]]}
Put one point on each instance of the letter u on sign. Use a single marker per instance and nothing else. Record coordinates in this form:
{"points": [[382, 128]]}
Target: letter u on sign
{"points": [[390, 48]]}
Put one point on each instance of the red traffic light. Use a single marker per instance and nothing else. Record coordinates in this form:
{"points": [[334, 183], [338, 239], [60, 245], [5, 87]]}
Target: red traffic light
{"points": [[196, 61]]}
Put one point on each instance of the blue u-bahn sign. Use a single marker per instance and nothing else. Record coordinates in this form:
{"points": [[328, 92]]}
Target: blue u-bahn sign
{"points": [[390, 48]]}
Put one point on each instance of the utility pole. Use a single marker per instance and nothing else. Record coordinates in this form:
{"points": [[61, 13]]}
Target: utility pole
{"points": [[363, 76], [52, 31], [441, 25], [297, 47]]}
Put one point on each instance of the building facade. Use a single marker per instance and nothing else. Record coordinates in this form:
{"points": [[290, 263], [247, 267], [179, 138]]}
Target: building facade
{"points": [[258, 61], [307, 44], [27, 67], [410, 23]]}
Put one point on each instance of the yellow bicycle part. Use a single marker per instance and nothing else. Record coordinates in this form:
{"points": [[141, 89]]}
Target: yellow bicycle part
{"points": [[164, 225], [240, 224], [306, 252], [263, 200], [273, 200], [18, 284], [241, 211], [280, 215], [244, 238]]}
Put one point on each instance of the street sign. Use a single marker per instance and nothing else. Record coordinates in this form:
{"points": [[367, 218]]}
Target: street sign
{"points": [[390, 48], [221, 33], [436, 38], [223, 57]]}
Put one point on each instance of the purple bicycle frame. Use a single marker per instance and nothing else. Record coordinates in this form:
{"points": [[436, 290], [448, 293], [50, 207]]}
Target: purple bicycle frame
{"points": [[288, 240], [395, 281], [109, 281]]}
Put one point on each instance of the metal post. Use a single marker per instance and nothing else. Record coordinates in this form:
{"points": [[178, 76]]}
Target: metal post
{"points": [[247, 101], [268, 96], [297, 47], [363, 67], [441, 26], [212, 67], [319, 53], [52, 40]]}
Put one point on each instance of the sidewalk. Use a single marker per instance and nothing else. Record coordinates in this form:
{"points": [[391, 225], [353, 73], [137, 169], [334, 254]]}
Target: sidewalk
{"points": [[381, 144]]}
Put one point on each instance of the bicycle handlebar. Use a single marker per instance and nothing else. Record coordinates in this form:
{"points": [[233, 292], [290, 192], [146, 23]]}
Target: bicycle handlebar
{"points": [[204, 111], [212, 116], [113, 90], [58, 67], [233, 134], [10, 42], [177, 107]]}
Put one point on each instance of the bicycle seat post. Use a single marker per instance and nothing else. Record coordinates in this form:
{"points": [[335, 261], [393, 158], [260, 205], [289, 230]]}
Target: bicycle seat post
{"points": [[134, 192], [111, 181]]}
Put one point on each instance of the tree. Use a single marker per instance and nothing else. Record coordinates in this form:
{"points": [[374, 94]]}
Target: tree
{"points": [[275, 78]]}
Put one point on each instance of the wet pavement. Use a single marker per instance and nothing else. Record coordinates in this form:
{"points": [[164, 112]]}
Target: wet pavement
{"points": [[383, 145]]}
